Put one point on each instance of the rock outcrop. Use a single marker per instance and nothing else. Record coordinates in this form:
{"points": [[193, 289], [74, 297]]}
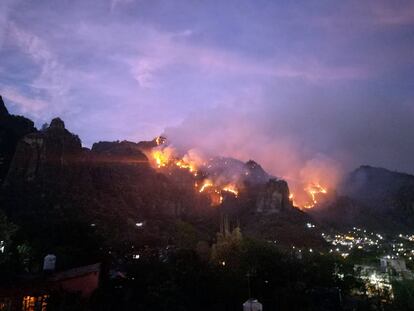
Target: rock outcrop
{"points": [[119, 151], [43, 155], [255, 174], [12, 129], [3, 109], [373, 198], [274, 198]]}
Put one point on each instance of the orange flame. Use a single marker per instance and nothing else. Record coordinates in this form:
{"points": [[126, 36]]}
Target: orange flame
{"points": [[206, 184], [185, 165], [165, 158], [161, 158], [292, 199], [314, 191], [231, 188]]}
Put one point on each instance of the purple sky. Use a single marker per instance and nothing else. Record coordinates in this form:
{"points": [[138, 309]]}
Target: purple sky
{"points": [[294, 83]]}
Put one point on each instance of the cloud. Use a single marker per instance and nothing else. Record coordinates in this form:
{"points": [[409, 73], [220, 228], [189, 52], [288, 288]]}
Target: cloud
{"points": [[5, 9], [115, 3], [27, 105], [165, 52], [393, 13], [238, 131], [302, 80], [51, 82]]}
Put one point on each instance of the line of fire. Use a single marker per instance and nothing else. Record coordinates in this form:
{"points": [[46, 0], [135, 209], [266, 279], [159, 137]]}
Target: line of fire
{"points": [[164, 157]]}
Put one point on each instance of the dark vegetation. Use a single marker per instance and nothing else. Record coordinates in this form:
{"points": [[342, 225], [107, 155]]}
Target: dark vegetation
{"points": [[84, 206], [373, 198]]}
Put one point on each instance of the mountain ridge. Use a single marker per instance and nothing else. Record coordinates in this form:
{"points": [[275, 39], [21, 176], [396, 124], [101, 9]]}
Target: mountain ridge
{"points": [[372, 197], [52, 182]]}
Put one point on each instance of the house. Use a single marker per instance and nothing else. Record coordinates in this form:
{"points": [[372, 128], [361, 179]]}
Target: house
{"points": [[37, 292]]}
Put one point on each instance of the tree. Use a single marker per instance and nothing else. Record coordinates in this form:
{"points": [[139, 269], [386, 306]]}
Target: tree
{"points": [[7, 230]]}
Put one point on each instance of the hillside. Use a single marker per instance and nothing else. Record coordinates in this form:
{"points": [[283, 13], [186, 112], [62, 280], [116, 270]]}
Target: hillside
{"points": [[374, 198], [65, 198]]}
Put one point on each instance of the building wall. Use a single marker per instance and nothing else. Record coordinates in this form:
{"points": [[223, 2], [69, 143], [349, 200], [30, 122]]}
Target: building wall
{"points": [[86, 284]]}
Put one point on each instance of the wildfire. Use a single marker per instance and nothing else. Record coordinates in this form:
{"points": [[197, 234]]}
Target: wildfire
{"points": [[185, 165], [311, 196], [292, 199], [231, 188], [215, 192], [161, 158], [165, 157], [159, 140], [206, 184], [314, 191]]}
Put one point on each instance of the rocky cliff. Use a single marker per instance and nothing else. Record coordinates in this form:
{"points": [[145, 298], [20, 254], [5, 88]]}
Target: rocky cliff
{"points": [[53, 182], [274, 197], [12, 129], [374, 198]]}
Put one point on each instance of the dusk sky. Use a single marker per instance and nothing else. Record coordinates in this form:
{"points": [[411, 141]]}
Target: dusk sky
{"points": [[283, 82]]}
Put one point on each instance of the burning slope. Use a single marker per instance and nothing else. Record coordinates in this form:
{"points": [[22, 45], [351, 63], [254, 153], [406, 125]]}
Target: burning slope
{"points": [[166, 157], [212, 176], [311, 195], [315, 192], [232, 189], [213, 179]]}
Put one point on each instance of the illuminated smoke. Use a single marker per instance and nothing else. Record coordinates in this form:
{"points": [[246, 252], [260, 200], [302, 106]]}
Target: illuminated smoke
{"points": [[243, 136]]}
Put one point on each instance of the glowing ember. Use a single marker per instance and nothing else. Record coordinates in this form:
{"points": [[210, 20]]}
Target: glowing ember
{"points": [[216, 198]]}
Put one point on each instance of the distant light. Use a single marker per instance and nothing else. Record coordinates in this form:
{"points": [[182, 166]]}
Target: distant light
{"points": [[139, 224], [310, 250], [135, 256], [223, 263], [93, 225]]}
